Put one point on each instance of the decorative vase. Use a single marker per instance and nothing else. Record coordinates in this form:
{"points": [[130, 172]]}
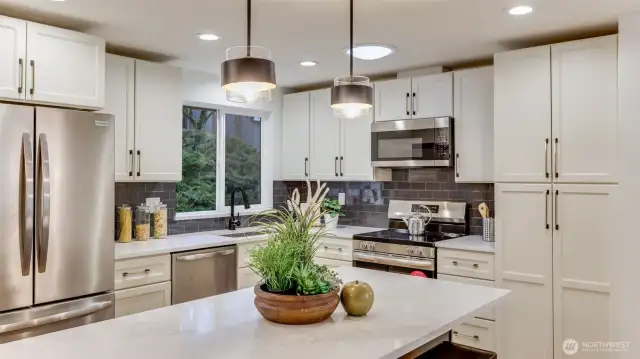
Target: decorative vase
{"points": [[295, 309], [330, 222]]}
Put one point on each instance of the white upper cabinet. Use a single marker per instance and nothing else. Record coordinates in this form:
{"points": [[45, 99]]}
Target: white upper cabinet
{"points": [[522, 122], [295, 136], [582, 263], [392, 100], [432, 96], [158, 122], [585, 110], [355, 150], [524, 266], [473, 112], [120, 102], [325, 136], [65, 67], [13, 57]]}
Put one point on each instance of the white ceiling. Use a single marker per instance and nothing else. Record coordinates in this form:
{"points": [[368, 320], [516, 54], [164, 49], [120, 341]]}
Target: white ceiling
{"points": [[425, 32]]}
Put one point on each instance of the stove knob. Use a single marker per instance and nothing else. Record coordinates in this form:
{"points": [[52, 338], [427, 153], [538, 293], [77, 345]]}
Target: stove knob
{"points": [[364, 245], [372, 246], [409, 250], [418, 251]]}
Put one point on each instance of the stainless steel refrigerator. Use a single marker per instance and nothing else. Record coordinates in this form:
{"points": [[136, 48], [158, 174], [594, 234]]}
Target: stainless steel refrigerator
{"points": [[56, 219]]}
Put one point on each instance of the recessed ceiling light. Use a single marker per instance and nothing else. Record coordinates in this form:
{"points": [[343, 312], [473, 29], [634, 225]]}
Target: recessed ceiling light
{"points": [[209, 37], [58, 0], [308, 63], [521, 10], [371, 51]]}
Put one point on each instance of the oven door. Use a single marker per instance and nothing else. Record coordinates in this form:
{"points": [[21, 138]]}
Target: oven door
{"points": [[412, 143], [394, 263]]}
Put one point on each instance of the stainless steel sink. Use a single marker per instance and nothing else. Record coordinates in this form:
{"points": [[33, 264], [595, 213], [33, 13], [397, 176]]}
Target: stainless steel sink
{"points": [[243, 234]]}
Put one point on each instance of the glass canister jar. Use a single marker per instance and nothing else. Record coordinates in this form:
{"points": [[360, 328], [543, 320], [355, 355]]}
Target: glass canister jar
{"points": [[124, 224], [143, 223], [160, 221]]}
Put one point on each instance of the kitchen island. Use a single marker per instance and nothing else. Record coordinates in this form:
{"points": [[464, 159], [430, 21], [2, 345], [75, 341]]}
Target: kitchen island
{"points": [[408, 313]]}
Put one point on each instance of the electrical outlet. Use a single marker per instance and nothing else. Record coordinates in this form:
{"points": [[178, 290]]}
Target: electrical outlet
{"points": [[341, 199]]}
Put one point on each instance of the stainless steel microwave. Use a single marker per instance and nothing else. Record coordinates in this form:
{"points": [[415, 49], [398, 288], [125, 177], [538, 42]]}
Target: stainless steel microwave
{"points": [[412, 143]]}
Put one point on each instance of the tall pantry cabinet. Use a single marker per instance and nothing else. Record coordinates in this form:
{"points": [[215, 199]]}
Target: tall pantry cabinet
{"points": [[555, 169]]}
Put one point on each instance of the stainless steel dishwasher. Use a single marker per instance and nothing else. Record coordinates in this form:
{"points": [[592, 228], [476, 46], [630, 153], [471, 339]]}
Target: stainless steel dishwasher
{"points": [[203, 273]]}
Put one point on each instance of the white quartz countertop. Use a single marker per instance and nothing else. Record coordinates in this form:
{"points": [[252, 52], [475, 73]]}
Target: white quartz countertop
{"points": [[408, 312], [468, 243], [200, 240]]}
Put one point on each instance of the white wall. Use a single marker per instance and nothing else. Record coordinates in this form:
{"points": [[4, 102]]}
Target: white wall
{"points": [[204, 89], [626, 243]]}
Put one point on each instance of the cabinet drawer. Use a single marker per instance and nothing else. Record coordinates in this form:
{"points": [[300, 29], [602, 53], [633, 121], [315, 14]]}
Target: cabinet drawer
{"points": [[244, 251], [331, 263], [477, 333], [141, 271], [247, 278], [487, 314], [335, 248], [465, 263], [141, 299]]}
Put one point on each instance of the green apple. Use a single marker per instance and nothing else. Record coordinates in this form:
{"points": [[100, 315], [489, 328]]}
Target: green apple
{"points": [[357, 298]]}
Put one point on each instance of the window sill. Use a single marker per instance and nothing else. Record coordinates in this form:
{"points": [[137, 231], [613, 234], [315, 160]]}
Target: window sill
{"points": [[212, 214]]}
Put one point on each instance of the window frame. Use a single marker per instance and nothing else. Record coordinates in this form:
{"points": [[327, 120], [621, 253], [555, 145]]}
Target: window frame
{"points": [[266, 198]]}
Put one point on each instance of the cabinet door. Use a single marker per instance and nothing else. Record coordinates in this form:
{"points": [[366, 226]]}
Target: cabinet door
{"points": [[473, 126], [522, 123], [582, 242], [325, 135], [119, 101], [432, 96], [65, 67], [141, 299], [247, 278], [585, 110], [295, 136], [524, 266], [355, 149], [13, 57], [158, 122], [393, 100]]}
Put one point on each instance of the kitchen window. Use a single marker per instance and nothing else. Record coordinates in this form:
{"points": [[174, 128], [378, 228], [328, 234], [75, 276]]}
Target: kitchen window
{"points": [[221, 150]]}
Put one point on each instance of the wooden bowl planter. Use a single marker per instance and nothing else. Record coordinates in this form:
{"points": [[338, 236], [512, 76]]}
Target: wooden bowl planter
{"points": [[295, 309]]}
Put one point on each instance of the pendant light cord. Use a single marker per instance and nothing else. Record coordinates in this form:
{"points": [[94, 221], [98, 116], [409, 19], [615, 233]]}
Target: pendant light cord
{"points": [[351, 41], [249, 28]]}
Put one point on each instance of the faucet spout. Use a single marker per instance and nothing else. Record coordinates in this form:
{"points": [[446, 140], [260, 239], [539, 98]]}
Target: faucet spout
{"points": [[233, 221]]}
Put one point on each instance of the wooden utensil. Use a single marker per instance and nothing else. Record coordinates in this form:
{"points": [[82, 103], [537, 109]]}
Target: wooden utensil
{"points": [[484, 210]]}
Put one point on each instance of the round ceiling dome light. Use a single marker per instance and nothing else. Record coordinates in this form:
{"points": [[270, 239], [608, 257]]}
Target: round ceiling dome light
{"points": [[521, 10], [370, 51], [209, 37], [308, 63]]}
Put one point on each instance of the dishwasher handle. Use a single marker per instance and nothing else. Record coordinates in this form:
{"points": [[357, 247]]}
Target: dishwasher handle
{"points": [[195, 257]]}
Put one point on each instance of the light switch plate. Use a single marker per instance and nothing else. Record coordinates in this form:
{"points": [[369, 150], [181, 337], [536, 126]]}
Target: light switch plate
{"points": [[341, 199]]}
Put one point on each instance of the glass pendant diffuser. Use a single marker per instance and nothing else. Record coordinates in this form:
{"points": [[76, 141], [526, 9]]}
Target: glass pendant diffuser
{"points": [[351, 96], [248, 74]]}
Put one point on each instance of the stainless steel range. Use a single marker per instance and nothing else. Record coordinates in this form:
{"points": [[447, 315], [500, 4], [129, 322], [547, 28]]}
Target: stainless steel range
{"points": [[395, 250]]}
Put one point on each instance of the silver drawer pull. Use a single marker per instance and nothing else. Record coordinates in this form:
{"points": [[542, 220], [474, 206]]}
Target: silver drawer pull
{"points": [[326, 248], [455, 263], [475, 265], [146, 271], [195, 257], [474, 337], [88, 310]]}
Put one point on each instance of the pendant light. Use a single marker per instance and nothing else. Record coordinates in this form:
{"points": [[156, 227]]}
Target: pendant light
{"points": [[248, 74], [351, 96]]}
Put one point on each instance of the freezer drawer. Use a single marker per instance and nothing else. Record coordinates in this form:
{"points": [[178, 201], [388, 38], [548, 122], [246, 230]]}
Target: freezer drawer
{"points": [[52, 318], [203, 273]]}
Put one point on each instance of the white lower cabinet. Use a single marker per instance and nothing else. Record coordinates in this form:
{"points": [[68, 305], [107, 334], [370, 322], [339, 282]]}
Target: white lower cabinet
{"points": [[477, 333], [141, 299], [247, 278]]}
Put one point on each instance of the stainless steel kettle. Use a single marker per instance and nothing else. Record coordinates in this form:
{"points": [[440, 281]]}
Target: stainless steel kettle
{"points": [[417, 222]]}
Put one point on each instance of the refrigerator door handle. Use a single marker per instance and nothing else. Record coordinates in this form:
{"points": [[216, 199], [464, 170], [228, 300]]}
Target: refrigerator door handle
{"points": [[90, 309], [44, 203], [26, 204]]}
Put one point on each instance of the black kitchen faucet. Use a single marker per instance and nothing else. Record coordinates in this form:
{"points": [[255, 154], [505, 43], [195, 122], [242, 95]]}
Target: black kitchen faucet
{"points": [[233, 221]]}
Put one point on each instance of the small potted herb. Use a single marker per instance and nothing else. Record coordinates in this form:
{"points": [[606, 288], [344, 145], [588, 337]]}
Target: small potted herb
{"points": [[332, 212]]}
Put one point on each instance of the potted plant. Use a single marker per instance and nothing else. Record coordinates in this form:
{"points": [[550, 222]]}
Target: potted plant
{"points": [[293, 289], [332, 212]]}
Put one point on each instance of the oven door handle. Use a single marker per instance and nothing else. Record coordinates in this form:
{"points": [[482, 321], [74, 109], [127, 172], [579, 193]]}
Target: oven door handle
{"points": [[378, 258]]}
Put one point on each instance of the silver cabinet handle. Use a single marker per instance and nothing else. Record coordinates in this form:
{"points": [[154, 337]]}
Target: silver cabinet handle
{"points": [[474, 337], [413, 104], [33, 77], [406, 104], [556, 210], [546, 157], [335, 165], [26, 203], [476, 265], [457, 159], [341, 173], [90, 309], [555, 155], [195, 257], [546, 210], [306, 161], [146, 271], [326, 248], [131, 163], [139, 166], [455, 263], [43, 213], [21, 67]]}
